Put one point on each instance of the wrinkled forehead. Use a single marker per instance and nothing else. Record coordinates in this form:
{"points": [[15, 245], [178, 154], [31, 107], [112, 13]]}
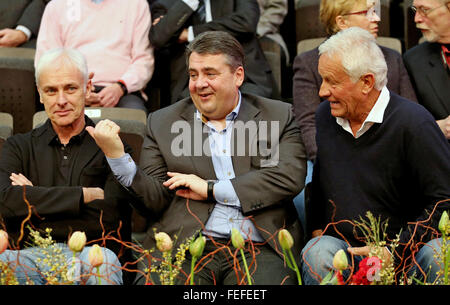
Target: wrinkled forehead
{"points": [[428, 3]]}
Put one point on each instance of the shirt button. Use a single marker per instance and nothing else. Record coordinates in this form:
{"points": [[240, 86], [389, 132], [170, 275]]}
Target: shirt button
{"points": [[226, 201], [230, 220], [224, 151], [229, 173], [65, 157]]}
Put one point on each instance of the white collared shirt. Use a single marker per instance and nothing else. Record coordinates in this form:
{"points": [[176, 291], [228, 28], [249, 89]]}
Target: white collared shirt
{"points": [[375, 115]]}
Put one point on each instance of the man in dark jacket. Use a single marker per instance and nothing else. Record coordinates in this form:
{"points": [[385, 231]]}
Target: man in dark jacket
{"points": [[20, 21], [63, 175], [177, 22], [428, 63]]}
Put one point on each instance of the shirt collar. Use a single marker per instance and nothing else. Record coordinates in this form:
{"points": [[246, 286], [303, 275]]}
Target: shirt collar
{"points": [[375, 115], [230, 117], [52, 137]]}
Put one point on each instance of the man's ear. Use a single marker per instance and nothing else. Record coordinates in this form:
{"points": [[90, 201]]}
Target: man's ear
{"points": [[368, 82], [88, 88], [240, 75], [40, 95]]}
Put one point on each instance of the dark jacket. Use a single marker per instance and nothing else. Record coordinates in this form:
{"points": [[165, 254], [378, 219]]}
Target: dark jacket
{"points": [[430, 78], [60, 207]]}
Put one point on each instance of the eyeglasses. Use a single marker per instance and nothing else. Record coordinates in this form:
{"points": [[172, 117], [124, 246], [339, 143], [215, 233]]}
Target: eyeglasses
{"points": [[425, 11], [369, 13]]}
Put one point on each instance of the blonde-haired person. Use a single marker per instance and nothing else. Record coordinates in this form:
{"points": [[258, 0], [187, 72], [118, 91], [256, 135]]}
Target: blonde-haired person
{"points": [[337, 15]]}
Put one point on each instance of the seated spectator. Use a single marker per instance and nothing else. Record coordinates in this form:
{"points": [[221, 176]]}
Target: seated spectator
{"points": [[337, 15], [177, 22], [113, 36], [66, 177], [226, 187], [19, 22], [428, 63], [377, 152], [272, 13]]}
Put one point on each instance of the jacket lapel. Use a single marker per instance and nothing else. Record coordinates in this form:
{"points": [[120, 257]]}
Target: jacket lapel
{"points": [[200, 153], [438, 78], [248, 117]]}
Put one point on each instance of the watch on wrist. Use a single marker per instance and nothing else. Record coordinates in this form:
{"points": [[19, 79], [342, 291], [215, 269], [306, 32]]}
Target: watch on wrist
{"points": [[123, 87], [210, 192]]}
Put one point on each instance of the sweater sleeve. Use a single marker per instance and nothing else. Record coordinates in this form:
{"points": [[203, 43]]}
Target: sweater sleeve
{"points": [[50, 35], [142, 66]]}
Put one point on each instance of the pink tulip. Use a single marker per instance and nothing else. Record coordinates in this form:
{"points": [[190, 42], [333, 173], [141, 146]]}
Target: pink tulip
{"points": [[95, 256]]}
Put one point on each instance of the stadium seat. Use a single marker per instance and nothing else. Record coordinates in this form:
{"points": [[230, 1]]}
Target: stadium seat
{"points": [[17, 86], [6, 127]]}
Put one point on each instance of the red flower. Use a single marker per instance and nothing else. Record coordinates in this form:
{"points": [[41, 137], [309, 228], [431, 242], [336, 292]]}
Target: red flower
{"points": [[368, 271], [340, 278]]}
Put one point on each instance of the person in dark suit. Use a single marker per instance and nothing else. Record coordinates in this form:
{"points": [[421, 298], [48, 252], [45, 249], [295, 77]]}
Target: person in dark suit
{"points": [[335, 16], [20, 21], [376, 152], [428, 63], [176, 22], [229, 183], [63, 174]]}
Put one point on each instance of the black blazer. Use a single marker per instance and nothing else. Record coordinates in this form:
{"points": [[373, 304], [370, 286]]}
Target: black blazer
{"points": [[430, 78], [237, 17], [60, 207]]}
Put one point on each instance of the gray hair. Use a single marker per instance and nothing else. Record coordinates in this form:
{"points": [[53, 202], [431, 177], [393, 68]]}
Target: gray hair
{"points": [[65, 56], [217, 42], [359, 54]]}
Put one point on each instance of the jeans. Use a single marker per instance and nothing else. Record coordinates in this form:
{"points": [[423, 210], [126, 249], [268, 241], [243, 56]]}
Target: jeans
{"points": [[31, 264], [317, 259], [299, 200]]}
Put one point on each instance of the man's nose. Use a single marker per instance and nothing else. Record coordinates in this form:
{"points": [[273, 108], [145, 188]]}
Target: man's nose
{"points": [[201, 82], [324, 90], [61, 99], [418, 18]]}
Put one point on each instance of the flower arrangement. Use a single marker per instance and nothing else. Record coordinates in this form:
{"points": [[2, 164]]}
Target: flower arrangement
{"points": [[167, 269], [372, 270]]}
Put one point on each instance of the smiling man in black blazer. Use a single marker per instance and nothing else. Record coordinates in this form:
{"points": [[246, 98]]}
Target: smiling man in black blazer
{"points": [[428, 63]]}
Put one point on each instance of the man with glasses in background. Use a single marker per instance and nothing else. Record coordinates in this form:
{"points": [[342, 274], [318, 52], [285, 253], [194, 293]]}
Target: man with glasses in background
{"points": [[428, 62]]}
